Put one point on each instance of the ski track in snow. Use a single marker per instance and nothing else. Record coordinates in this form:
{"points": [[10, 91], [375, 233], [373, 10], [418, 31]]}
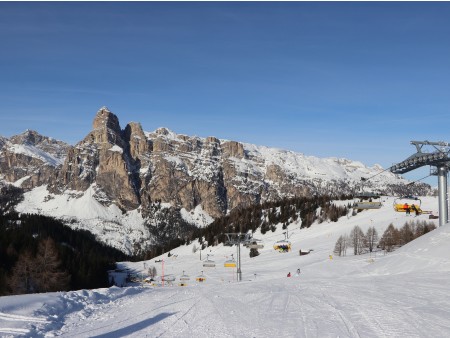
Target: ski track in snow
{"points": [[8, 316], [302, 308]]}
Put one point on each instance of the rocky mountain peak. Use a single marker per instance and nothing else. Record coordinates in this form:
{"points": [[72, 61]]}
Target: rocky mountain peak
{"points": [[30, 137], [31, 158], [162, 131], [106, 130], [105, 119]]}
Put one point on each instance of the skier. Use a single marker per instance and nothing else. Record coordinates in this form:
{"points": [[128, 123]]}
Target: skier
{"points": [[298, 271], [289, 274]]}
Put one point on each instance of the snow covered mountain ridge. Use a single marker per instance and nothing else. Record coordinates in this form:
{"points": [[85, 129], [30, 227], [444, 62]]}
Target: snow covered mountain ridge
{"points": [[121, 172]]}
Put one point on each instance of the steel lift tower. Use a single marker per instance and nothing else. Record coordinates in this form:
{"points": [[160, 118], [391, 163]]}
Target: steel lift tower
{"points": [[439, 160], [238, 238]]}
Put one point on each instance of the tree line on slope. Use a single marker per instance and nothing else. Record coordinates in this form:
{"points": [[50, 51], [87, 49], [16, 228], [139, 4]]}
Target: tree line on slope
{"points": [[392, 238], [268, 214], [40, 254], [265, 216]]}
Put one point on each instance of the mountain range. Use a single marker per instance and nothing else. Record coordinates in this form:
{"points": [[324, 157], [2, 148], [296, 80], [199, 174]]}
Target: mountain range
{"points": [[111, 181]]}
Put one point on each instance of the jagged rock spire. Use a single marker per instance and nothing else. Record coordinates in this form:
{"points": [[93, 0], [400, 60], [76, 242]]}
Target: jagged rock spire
{"points": [[105, 119]]}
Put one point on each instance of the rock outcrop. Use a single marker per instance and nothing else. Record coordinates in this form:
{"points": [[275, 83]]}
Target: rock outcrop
{"points": [[103, 158]]}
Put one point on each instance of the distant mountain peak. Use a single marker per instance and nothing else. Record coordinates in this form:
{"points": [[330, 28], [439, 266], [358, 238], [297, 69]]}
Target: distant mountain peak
{"points": [[104, 109]]}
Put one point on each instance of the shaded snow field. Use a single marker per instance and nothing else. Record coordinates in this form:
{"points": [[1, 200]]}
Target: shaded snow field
{"points": [[81, 210], [401, 294]]}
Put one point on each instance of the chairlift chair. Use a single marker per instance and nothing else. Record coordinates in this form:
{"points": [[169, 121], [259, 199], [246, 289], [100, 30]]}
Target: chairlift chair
{"points": [[168, 278], [200, 278], [209, 263], [367, 200], [282, 246], [399, 203], [230, 263], [184, 277], [253, 244]]}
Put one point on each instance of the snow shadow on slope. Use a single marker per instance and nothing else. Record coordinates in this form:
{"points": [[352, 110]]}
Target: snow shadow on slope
{"points": [[128, 330]]}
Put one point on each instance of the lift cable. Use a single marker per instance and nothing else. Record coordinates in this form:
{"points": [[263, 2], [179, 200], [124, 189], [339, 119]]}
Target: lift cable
{"points": [[411, 183]]}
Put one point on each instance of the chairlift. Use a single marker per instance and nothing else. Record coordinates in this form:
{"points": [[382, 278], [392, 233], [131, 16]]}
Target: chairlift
{"points": [[253, 244], [367, 200], [184, 277], [282, 246], [401, 204], [230, 263], [200, 278], [168, 278], [209, 263]]}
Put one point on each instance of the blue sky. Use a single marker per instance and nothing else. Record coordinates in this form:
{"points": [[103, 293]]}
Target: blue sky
{"points": [[357, 80]]}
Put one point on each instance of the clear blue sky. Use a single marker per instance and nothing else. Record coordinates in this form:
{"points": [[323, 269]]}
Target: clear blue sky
{"points": [[358, 80]]}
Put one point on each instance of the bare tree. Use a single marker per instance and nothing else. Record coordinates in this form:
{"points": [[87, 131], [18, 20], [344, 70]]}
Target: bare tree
{"points": [[372, 238], [152, 271], [358, 240], [23, 275], [50, 276], [406, 233], [340, 248], [390, 238]]}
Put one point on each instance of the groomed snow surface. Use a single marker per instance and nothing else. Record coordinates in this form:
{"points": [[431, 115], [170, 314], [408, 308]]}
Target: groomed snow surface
{"points": [[401, 294]]}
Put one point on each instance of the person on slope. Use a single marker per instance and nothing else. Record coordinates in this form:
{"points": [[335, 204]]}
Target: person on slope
{"points": [[289, 274], [298, 271]]}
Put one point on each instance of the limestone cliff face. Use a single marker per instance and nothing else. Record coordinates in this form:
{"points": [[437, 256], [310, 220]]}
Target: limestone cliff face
{"points": [[103, 158]]}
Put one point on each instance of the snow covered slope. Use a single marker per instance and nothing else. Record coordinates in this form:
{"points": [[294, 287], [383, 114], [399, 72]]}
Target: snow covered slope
{"points": [[81, 210], [400, 294]]}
